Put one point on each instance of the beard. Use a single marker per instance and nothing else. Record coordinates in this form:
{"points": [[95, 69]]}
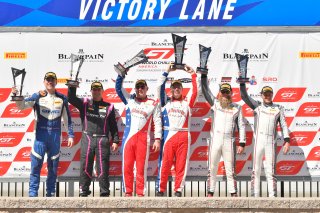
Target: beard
{"points": [[225, 102]]}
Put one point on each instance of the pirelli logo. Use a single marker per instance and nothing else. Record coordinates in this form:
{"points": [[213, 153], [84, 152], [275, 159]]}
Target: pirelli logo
{"points": [[15, 55], [62, 80], [309, 54]]}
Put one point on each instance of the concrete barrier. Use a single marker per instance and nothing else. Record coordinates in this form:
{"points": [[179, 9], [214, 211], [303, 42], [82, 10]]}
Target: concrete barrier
{"points": [[174, 205]]}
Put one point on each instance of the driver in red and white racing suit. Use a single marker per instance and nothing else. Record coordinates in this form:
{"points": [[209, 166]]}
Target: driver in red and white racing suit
{"points": [[140, 112]]}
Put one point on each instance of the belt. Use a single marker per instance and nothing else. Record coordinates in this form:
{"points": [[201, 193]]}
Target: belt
{"points": [[175, 129], [94, 135]]}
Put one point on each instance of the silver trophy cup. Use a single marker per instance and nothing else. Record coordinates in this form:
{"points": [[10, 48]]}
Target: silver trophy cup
{"points": [[122, 69], [76, 61]]}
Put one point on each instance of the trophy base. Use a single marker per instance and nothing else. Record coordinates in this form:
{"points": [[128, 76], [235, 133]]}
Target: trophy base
{"points": [[121, 70], [178, 66], [202, 70], [72, 83], [242, 80], [17, 98]]}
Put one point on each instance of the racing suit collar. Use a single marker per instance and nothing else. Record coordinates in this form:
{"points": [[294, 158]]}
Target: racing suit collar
{"points": [[267, 105], [142, 100]]}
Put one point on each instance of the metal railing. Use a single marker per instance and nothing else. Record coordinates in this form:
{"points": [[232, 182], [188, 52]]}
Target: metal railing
{"points": [[194, 187]]}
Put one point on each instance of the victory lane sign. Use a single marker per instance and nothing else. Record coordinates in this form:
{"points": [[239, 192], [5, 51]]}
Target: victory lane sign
{"points": [[155, 10]]}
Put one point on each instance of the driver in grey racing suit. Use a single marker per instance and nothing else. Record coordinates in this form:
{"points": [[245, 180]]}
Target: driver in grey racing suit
{"points": [[226, 116], [266, 117]]}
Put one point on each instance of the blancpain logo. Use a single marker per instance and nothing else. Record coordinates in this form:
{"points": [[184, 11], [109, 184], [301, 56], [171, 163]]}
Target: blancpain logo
{"points": [[5, 155], [306, 124], [165, 43], [314, 95], [96, 79], [22, 169], [98, 57], [14, 125], [252, 56]]}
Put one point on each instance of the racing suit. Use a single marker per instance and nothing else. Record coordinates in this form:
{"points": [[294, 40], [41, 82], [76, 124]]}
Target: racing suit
{"points": [[266, 118], [175, 144], [49, 109], [136, 137], [99, 126], [224, 122]]}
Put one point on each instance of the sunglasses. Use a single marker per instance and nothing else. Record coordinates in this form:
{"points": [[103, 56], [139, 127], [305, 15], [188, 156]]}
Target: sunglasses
{"points": [[140, 87], [50, 79], [96, 89], [225, 92]]}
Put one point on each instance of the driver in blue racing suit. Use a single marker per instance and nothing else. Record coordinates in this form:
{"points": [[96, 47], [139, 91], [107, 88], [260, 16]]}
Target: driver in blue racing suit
{"points": [[49, 107]]}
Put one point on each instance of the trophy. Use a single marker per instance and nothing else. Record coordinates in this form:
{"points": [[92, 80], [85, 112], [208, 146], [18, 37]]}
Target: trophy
{"points": [[137, 59], [178, 43], [78, 60], [21, 74], [242, 64], [204, 55]]}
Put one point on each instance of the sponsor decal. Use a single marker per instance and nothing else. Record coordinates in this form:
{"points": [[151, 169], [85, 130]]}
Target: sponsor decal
{"points": [[88, 57], [15, 55], [270, 79], [314, 154], [200, 154], [310, 95], [309, 54], [115, 168], [110, 95], [23, 154], [302, 138], [200, 109], [4, 94], [4, 167], [76, 139], [12, 111], [253, 56], [309, 109], [289, 94], [247, 111], [10, 139], [289, 167]]}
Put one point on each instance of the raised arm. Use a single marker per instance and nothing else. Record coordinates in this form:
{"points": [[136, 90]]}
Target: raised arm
{"points": [[161, 89], [73, 99], [241, 128], [123, 94], [194, 79], [66, 117], [27, 102], [157, 122], [245, 97], [206, 91]]}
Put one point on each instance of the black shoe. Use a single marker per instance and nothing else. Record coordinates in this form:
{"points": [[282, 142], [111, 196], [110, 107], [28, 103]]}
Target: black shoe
{"points": [[159, 194], [178, 194], [104, 195], [83, 195]]}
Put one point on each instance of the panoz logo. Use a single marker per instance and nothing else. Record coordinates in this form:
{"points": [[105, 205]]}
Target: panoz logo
{"points": [[289, 167], [98, 57], [289, 94], [15, 55], [309, 109], [252, 56], [309, 54], [12, 111], [302, 138]]}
